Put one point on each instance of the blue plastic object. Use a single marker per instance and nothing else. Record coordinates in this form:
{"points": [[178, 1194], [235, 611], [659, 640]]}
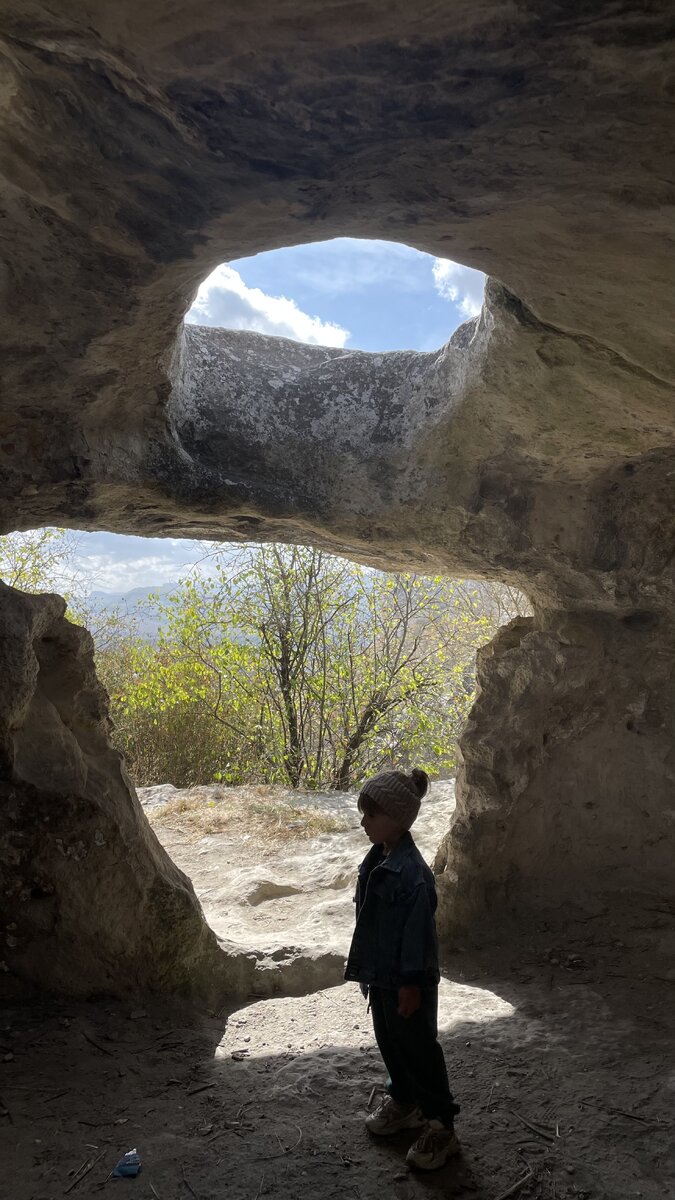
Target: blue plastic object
{"points": [[128, 1166]]}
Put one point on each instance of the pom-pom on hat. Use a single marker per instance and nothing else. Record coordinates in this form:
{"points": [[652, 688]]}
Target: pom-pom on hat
{"points": [[397, 794]]}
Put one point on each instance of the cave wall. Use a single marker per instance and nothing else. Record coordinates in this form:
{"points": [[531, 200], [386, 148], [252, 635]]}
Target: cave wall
{"points": [[140, 146], [565, 795], [90, 902]]}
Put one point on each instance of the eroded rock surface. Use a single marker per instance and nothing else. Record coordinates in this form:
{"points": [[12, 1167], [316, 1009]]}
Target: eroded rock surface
{"points": [[566, 793], [143, 146], [90, 901]]}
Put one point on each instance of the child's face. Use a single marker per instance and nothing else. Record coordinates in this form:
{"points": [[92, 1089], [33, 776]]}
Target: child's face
{"points": [[377, 825]]}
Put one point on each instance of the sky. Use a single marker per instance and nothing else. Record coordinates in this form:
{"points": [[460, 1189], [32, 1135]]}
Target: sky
{"points": [[348, 292]]}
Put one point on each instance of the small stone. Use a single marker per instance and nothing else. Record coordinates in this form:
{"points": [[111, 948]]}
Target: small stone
{"points": [[574, 962], [9, 1057], [137, 1014]]}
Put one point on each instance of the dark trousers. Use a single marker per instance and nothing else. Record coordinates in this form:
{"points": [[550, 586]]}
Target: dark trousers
{"points": [[412, 1054]]}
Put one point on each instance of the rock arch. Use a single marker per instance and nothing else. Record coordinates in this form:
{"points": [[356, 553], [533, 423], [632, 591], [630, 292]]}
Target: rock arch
{"points": [[139, 150]]}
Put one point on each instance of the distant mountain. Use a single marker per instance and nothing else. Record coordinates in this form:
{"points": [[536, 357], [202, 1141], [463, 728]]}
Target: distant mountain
{"points": [[135, 602], [106, 600]]}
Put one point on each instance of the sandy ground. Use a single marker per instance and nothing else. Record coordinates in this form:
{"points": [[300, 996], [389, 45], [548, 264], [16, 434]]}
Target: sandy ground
{"points": [[288, 902], [561, 1056]]}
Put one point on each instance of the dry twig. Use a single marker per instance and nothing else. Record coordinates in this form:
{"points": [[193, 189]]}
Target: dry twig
{"points": [[188, 1185], [92, 1041], [288, 1150], [86, 1167], [632, 1116], [538, 1129], [515, 1187]]}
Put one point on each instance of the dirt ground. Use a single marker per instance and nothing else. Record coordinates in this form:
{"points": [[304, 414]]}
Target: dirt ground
{"points": [[561, 1053]]}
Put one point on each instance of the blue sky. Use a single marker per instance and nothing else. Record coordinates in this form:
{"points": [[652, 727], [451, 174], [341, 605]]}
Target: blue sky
{"points": [[363, 295]]}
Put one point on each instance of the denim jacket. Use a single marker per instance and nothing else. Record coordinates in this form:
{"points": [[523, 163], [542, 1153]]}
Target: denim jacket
{"points": [[394, 941]]}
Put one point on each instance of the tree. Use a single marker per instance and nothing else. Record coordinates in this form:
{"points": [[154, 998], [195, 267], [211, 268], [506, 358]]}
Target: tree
{"points": [[316, 670], [281, 663], [44, 560], [38, 560]]}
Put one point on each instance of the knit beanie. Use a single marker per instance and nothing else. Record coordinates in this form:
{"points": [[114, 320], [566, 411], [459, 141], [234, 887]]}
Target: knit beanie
{"points": [[398, 795]]}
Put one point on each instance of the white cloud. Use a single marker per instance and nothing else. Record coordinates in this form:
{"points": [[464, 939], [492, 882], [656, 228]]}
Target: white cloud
{"points": [[463, 286], [226, 301], [110, 562], [347, 266], [105, 573]]}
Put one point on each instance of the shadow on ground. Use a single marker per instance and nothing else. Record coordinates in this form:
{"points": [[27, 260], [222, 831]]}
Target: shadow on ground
{"points": [[564, 1073]]}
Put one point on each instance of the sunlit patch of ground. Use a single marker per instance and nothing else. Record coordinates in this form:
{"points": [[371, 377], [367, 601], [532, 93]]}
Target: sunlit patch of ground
{"points": [[264, 811], [275, 869], [564, 1085]]}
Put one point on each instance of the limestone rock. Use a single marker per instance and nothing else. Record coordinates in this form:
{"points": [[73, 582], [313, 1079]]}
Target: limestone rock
{"points": [[90, 901], [565, 797], [142, 146], [269, 889]]}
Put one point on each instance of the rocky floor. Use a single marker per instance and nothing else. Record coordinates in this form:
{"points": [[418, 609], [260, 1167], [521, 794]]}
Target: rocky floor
{"points": [[287, 902], [561, 1056]]}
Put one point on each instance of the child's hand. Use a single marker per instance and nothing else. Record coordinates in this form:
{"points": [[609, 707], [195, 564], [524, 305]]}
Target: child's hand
{"points": [[409, 1000]]}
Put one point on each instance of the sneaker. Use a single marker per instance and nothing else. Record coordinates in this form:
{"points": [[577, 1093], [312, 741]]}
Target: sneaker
{"points": [[433, 1148], [390, 1116]]}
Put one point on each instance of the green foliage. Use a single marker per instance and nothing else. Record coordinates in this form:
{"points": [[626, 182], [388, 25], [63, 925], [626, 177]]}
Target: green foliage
{"points": [[38, 560], [287, 665], [43, 560], [294, 666], [164, 733]]}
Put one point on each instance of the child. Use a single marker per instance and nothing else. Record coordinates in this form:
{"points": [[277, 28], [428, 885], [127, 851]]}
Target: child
{"points": [[394, 957]]}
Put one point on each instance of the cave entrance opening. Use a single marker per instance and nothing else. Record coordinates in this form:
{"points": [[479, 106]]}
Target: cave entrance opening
{"points": [[282, 678], [261, 831]]}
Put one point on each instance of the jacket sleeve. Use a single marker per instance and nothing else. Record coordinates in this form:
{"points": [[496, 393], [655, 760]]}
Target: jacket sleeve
{"points": [[419, 951]]}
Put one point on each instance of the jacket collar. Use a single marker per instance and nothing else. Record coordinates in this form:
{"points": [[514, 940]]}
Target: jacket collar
{"points": [[394, 861]]}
